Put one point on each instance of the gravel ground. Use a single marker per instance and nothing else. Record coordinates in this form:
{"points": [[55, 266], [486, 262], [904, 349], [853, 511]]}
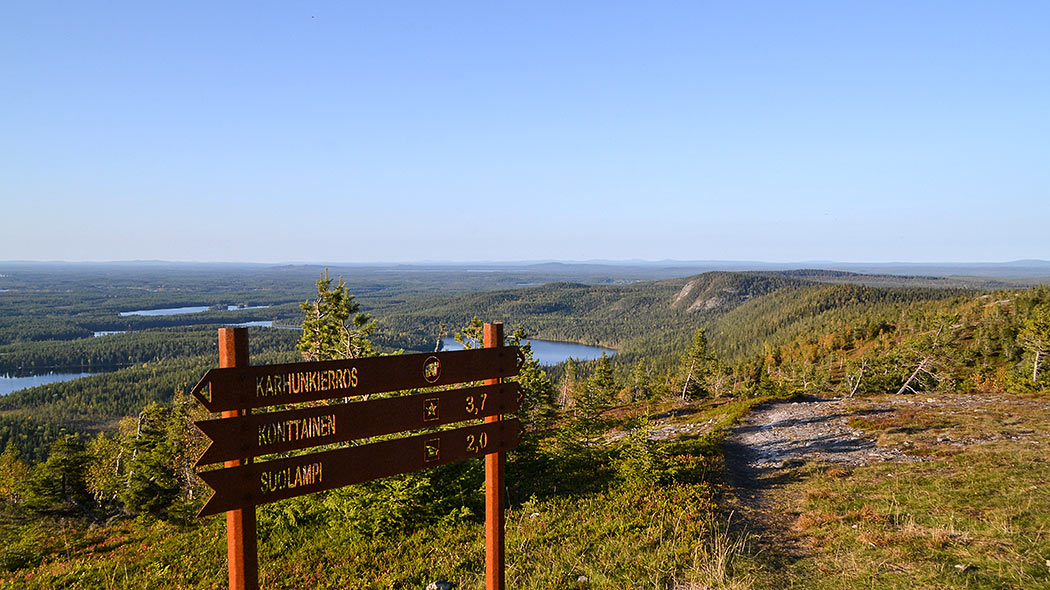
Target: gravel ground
{"points": [[787, 433], [763, 451]]}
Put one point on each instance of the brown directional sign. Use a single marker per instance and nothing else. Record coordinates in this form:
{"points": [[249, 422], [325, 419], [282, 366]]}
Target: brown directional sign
{"points": [[270, 385], [261, 483], [287, 430]]}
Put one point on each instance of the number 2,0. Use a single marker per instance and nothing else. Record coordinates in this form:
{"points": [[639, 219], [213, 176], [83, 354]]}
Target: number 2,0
{"points": [[472, 407], [476, 443]]}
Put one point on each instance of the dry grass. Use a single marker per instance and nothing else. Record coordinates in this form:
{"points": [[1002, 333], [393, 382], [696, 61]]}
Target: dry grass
{"points": [[975, 515], [714, 565]]}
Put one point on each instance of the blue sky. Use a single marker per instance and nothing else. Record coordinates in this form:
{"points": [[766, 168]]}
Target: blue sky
{"points": [[398, 131]]}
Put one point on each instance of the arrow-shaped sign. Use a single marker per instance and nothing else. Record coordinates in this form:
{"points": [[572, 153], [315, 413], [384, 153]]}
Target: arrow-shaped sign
{"points": [[261, 483], [260, 386], [287, 430]]}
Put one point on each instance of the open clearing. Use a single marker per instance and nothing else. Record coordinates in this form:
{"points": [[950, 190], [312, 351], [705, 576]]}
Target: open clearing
{"points": [[938, 491]]}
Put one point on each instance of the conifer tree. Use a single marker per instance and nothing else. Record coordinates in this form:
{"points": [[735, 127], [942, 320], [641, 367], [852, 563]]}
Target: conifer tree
{"points": [[592, 398], [601, 385], [13, 474], [641, 381], [569, 384], [106, 473], [1034, 337], [696, 366], [58, 484], [152, 483], [927, 349], [537, 390], [472, 335], [333, 326]]}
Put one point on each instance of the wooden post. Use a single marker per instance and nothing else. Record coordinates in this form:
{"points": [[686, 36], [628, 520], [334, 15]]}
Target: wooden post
{"points": [[494, 485], [241, 543]]}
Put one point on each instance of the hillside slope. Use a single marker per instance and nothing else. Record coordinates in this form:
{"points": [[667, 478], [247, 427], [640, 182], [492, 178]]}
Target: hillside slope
{"points": [[742, 311]]}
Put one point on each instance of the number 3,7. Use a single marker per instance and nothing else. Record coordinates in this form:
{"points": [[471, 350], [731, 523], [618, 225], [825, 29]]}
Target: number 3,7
{"points": [[476, 443], [472, 407]]}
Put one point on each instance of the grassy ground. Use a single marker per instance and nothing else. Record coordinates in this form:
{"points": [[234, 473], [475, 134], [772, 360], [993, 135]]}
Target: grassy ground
{"points": [[974, 514], [593, 516]]}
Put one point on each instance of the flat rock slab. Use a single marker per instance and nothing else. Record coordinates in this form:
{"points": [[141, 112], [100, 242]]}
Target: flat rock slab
{"points": [[788, 433]]}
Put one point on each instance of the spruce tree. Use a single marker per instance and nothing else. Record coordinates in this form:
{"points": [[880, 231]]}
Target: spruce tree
{"points": [[152, 483], [537, 390], [1034, 337], [58, 484], [333, 326], [696, 366]]}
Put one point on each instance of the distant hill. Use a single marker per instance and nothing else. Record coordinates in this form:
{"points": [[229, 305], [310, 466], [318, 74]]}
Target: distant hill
{"points": [[1025, 271], [741, 310], [814, 309], [797, 328], [893, 280], [723, 291]]}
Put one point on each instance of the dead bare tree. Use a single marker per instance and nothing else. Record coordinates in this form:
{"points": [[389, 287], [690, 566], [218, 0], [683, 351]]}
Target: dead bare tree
{"points": [[442, 332], [688, 380], [919, 371], [928, 346], [720, 382], [854, 382]]}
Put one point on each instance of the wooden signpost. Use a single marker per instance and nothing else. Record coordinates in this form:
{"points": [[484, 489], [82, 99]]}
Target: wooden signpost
{"points": [[239, 437]]}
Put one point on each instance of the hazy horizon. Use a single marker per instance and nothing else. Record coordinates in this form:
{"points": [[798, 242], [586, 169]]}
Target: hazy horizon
{"points": [[595, 261]]}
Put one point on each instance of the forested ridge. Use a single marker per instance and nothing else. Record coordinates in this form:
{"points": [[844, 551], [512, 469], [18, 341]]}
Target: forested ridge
{"points": [[740, 311], [814, 309], [777, 331], [624, 317]]}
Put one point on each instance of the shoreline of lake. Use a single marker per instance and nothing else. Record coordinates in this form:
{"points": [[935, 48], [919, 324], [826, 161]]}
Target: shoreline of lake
{"points": [[550, 352], [185, 310], [10, 384]]}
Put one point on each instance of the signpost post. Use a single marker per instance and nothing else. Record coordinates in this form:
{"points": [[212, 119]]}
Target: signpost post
{"points": [[494, 488], [239, 437], [242, 548]]}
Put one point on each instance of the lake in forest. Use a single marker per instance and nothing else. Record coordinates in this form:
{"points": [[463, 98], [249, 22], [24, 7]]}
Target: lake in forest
{"points": [[9, 384], [182, 310], [550, 352]]}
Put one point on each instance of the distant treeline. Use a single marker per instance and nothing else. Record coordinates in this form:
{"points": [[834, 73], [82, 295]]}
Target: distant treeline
{"points": [[121, 350]]}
